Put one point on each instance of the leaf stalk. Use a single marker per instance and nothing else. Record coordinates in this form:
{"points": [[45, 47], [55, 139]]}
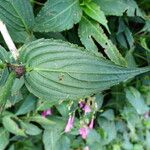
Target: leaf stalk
{"points": [[8, 40]]}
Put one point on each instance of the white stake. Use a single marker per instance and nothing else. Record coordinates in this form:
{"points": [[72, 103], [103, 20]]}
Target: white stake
{"points": [[8, 40]]}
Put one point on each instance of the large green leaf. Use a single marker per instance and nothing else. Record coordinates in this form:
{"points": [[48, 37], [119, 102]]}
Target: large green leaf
{"points": [[58, 15], [118, 7], [59, 70], [89, 29]]}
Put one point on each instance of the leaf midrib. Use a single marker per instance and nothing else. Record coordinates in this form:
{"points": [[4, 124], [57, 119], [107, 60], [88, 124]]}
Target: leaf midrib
{"points": [[63, 71]]}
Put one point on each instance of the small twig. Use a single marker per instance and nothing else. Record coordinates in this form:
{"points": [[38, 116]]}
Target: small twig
{"points": [[8, 40]]}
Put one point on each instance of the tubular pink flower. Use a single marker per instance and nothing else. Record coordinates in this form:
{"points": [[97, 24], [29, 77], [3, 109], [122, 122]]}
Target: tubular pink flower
{"points": [[146, 115], [69, 125], [84, 132], [86, 109], [81, 104], [91, 124], [46, 112]]}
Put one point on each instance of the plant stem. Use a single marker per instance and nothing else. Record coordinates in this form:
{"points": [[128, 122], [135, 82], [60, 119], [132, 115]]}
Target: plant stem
{"points": [[8, 40]]}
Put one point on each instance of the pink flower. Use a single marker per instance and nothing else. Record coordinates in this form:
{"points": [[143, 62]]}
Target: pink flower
{"points": [[46, 112], [86, 109], [81, 104], [86, 148], [146, 115], [69, 125], [91, 124], [84, 132]]}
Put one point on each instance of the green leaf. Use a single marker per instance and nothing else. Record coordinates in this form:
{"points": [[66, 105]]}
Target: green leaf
{"points": [[138, 147], [136, 100], [57, 121], [41, 120], [11, 126], [30, 128], [118, 7], [45, 105], [3, 76], [94, 11], [130, 58], [20, 36], [6, 90], [130, 115], [57, 70], [95, 146], [144, 44], [63, 143], [92, 137], [98, 100], [147, 139], [58, 16], [14, 99], [4, 57], [108, 114], [126, 143], [124, 35], [109, 128], [17, 85], [4, 138], [17, 14], [50, 138], [63, 109], [27, 105], [146, 27], [89, 29]]}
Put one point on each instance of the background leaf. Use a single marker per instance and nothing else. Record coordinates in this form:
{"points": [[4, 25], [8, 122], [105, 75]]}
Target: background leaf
{"points": [[58, 16], [52, 135], [136, 100], [89, 30], [6, 90], [4, 138], [30, 128], [118, 7], [94, 11], [27, 105], [11, 126], [19, 18]]}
